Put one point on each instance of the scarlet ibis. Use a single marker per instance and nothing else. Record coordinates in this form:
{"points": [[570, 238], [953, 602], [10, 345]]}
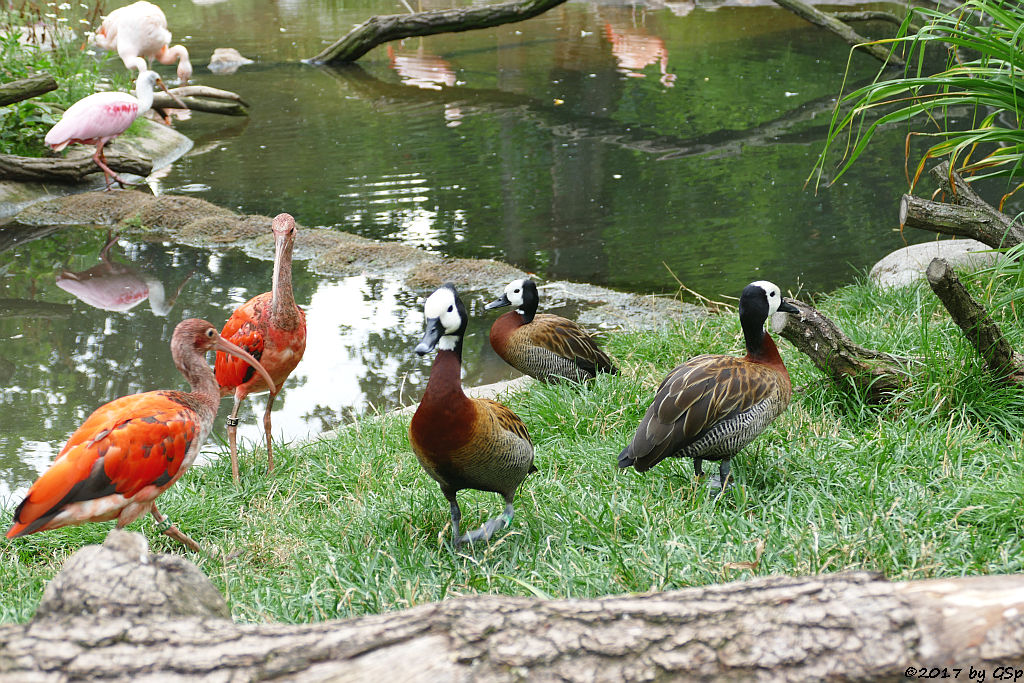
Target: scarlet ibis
{"points": [[101, 117], [139, 32], [272, 328], [134, 448]]}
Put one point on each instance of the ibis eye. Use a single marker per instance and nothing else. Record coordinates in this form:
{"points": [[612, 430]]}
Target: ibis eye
{"points": [[210, 333]]}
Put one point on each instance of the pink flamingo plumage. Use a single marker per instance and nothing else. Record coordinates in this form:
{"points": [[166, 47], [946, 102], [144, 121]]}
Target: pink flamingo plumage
{"points": [[272, 328], [101, 117], [139, 33], [134, 448]]}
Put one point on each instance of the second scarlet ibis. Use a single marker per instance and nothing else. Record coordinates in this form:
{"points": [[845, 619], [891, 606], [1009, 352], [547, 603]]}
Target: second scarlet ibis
{"points": [[134, 448], [272, 328], [101, 117]]}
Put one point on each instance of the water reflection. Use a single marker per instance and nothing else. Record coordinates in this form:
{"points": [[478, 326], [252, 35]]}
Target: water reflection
{"points": [[114, 286], [62, 358], [636, 49]]}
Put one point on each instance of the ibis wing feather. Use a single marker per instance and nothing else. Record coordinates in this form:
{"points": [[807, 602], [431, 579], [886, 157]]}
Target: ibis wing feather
{"points": [[242, 331], [124, 446]]}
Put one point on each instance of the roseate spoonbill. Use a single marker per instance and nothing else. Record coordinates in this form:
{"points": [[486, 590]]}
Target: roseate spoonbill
{"points": [[139, 32], [113, 286], [548, 347], [462, 442], [272, 328], [134, 448], [712, 405], [101, 117]]}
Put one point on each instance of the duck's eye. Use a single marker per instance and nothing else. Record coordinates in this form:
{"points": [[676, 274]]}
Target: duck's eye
{"points": [[451, 308], [772, 294], [516, 292]]}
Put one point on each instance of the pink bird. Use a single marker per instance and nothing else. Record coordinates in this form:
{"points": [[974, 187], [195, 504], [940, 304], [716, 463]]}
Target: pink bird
{"points": [[139, 33], [101, 117]]}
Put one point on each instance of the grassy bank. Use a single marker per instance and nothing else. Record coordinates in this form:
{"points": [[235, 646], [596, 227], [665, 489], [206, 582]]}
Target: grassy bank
{"points": [[928, 485]]}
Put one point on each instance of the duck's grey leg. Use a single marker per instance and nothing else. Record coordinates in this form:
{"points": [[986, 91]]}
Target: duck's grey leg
{"points": [[485, 532], [720, 481]]}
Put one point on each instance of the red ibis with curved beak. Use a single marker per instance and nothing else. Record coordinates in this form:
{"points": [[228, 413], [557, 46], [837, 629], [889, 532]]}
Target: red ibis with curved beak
{"points": [[134, 448], [272, 328]]}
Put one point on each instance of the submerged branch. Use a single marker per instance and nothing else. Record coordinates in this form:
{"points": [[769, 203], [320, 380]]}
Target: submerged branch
{"points": [[834, 25], [385, 28]]}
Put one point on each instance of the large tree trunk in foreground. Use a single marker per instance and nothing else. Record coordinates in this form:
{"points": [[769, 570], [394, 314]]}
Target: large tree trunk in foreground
{"points": [[71, 169], [964, 214], [25, 88], [117, 613], [979, 329], [382, 29], [844, 362]]}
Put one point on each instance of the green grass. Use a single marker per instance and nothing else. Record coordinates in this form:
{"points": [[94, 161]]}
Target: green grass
{"points": [[927, 485]]}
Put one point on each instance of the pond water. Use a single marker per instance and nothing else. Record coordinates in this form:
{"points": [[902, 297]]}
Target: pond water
{"points": [[622, 145]]}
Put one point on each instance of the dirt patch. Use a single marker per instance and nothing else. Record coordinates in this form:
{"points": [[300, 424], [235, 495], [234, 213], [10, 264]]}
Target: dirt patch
{"points": [[463, 273], [197, 222]]}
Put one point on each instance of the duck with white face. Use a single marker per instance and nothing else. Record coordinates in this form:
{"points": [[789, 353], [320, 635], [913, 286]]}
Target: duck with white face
{"points": [[712, 406], [462, 442], [547, 347]]}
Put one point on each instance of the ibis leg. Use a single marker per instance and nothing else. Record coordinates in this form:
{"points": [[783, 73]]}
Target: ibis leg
{"points": [[233, 438], [169, 528], [266, 428]]}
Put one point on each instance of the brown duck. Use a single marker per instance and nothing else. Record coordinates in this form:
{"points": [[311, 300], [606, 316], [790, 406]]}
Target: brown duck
{"points": [[548, 347], [712, 406], [462, 442]]}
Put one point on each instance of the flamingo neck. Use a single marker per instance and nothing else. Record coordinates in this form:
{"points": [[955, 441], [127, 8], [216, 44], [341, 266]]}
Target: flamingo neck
{"points": [[282, 299]]}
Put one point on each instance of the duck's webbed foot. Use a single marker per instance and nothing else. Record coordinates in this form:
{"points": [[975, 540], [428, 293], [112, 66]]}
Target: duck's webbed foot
{"points": [[489, 528]]}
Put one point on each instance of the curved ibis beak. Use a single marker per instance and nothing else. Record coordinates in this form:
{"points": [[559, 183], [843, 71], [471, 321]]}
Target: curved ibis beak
{"points": [[430, 338], [224, 345], [786, 307], [498, 303]]}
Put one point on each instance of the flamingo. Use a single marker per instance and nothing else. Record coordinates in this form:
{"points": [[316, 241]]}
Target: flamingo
{"points": [[272, 328], [101, 117], [139, 32], [134, 448]]}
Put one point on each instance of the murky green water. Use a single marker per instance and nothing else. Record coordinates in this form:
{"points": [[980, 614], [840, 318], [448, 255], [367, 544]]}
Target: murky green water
{"points": [[604, 143]]}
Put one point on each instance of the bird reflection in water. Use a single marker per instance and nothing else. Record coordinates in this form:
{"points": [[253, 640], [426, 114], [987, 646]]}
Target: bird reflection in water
{"points": [[113, 286], [421, 69], [635, 50]]}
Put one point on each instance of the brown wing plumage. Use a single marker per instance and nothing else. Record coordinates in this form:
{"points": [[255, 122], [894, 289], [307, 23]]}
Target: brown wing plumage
{"points": [[694, 398], [507, 419], [567, 339]]}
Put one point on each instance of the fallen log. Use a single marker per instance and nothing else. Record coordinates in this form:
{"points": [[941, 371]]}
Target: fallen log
{"points": [[979, 329], [210, 106], [70, 169], [25, 88], [875, 373], [834, 25], [964, 214], [118, 613], [384, 28]]}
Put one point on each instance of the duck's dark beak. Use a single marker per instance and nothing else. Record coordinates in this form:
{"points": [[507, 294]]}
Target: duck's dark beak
{"points": [[430, 338], [786, 307], [498, 303]]}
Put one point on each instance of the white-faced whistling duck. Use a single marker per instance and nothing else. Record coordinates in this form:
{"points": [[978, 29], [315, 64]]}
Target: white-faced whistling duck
{"points": [[548, 347], [711, 406], [462, 442]]}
